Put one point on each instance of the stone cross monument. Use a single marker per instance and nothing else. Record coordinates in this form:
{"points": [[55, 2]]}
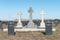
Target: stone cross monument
{"points": [[30, 11], [42, 24], [30, 24], [19, 24]]}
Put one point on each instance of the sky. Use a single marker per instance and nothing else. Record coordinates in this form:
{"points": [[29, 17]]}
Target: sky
{"points": [[10, 8]]}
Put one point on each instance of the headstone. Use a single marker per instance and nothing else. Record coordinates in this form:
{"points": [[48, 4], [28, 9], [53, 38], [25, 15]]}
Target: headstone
{"points": [[19, 24], [42, 23], [11, 28], [1, 24], [48, 29], [31, 24]]}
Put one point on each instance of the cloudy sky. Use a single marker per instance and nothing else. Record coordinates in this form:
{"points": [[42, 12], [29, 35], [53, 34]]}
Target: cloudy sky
{"points": [[10, 8]]}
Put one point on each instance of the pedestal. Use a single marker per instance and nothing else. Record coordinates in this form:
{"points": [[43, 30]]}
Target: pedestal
{"points": [[19, 25], [42, 25], [31, 25]]}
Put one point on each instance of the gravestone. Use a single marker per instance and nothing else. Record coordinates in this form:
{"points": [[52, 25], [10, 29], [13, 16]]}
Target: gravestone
{"points": [[48, 29], [42, 23], [1, 24], [11, 28], [19, 24], [31, 24]]}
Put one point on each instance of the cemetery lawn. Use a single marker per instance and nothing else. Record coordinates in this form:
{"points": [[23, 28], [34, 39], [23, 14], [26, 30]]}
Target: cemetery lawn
{"points": [[31, 35]]}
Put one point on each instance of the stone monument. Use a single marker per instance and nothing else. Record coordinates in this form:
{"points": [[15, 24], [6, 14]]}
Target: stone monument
{"points": [[31, 24], [19, 24], [42, 24]]}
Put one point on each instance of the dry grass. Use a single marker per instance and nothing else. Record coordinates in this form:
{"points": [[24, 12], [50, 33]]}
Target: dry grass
{"points": [[31, 35]]}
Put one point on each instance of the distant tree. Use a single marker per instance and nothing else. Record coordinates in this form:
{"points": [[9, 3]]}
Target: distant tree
{"points": [[56, 21]]}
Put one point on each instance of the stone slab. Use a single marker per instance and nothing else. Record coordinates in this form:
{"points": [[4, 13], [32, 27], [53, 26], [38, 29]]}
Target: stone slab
{"points": [[26, 29]]}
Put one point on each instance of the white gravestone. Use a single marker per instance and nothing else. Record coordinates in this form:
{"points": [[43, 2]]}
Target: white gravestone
{"points": [[19, 24], [31, 24], [42, 24]]}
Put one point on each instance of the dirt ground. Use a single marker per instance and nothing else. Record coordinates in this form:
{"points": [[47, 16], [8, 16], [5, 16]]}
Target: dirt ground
{"points": [[31, 35]]}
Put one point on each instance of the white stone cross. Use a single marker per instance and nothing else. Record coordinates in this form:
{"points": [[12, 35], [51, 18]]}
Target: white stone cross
{"points": [[30, 11], [19, 24], [31, 24], [19, 15], [42, 16], [42, 24]]}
